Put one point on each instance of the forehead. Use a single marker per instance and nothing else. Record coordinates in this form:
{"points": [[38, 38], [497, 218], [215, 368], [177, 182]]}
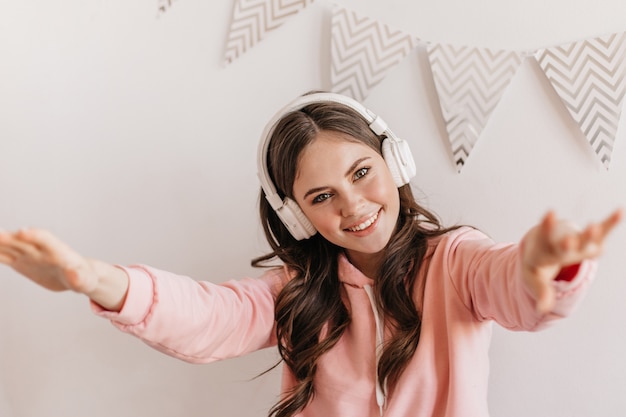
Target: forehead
{"points": [[330, 155]]}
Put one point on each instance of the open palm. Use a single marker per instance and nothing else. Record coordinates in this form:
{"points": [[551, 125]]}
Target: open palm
{"points": [[47, 261]]}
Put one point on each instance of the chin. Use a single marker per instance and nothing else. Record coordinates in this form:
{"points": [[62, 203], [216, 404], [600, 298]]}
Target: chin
{"points": [[370, 249]]}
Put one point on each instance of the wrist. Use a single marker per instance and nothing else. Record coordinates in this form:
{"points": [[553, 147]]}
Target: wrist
{"points": [[111, 285]]}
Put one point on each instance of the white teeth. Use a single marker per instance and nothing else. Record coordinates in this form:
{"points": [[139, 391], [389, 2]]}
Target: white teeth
{"points": [[367, 223]]}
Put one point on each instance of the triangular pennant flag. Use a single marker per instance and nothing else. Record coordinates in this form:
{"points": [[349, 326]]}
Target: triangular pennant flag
{"points": [[363, 51], [470, 82], [252, 19], [589, 77]]}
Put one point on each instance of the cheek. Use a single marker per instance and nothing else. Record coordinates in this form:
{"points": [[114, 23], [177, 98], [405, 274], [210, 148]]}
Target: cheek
{"points": [[392, 196], [317, 217], [322, 220], [386, 190]]}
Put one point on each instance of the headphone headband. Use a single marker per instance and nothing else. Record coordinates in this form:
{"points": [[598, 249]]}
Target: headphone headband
{"points": [[395, 151], [376, 124]]}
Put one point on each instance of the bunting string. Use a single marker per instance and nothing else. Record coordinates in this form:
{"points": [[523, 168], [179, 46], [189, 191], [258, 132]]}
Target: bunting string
{"points": [[589, 76]]}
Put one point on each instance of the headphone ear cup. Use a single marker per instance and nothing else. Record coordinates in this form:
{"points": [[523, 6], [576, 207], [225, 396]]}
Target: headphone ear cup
{"points": [[399, 159], [294, 219]]}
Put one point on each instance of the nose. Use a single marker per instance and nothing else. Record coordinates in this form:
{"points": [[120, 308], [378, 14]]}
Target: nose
{"points": [[350, 204]]}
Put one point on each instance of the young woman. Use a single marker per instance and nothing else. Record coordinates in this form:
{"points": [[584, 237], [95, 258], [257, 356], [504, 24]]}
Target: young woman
{"points": [[375, 307]]}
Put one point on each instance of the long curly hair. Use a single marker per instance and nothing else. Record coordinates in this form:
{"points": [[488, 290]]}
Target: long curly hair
{"points": [[309, 311]]}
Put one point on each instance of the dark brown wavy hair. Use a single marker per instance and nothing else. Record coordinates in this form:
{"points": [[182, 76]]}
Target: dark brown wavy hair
{"points": [[311, 302]]}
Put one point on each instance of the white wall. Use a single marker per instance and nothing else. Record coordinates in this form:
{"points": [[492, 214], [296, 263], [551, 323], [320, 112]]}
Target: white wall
{"points": [[124, 134]]}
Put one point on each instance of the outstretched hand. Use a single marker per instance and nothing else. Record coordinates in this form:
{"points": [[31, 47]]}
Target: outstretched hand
{"points": [[44, 259], [47, 261], [555, 244]]}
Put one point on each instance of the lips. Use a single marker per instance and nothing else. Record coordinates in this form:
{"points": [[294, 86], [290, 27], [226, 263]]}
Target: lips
{"points": [[365, 224]]}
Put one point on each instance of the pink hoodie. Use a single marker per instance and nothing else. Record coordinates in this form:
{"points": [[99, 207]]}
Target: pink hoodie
{"points": [[470, 283]]}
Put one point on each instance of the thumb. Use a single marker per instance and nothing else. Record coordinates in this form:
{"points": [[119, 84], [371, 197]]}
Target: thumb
{"points": [[545, 297]]}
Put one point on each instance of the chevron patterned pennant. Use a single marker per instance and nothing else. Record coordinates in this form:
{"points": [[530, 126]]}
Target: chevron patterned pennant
{"points": [[252, 19], [363, 51], [589, 77], [470, 82]]}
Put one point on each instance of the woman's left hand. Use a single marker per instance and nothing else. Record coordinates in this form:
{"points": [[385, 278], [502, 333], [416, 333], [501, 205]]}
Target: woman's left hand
{"points": [[554, 244]]}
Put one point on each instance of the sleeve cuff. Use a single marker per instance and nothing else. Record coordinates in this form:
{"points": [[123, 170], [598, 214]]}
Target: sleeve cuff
{"points": [[139, 299]]}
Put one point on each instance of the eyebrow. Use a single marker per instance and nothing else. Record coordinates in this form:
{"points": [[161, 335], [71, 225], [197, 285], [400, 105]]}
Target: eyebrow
{"points": [[348, 172]]}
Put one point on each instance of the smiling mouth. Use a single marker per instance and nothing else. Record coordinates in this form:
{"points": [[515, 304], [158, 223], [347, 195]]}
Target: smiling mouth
{"points": [[367, 223]]}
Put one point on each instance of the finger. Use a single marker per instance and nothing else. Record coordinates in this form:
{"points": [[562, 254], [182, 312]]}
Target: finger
{"points": [[45, 242], [4, 237], [569, 243], [561, 236], [592, 238], [548, 223], [540, 286], [6, 258], [610, 222], [41, 239], [17, 247], [547, 236]]}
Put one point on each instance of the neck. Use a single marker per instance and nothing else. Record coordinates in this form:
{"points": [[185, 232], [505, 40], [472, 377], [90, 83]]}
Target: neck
{"points": [[367, 263]]}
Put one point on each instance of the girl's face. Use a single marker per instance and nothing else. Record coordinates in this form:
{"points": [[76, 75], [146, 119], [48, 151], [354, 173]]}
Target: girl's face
{"points": [[347, 192]]}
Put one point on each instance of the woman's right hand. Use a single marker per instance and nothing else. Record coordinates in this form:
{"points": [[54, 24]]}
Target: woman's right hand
{"points": [[47, 261]]}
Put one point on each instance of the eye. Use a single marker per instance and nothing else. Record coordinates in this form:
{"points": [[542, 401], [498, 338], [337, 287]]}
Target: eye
{"points": [[320, 198], [360, 173]]}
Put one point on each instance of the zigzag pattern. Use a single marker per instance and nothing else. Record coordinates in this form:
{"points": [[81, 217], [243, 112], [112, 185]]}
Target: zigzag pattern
{"points": [[362, 52], [589, 77], [470, 83], [252, 19]]}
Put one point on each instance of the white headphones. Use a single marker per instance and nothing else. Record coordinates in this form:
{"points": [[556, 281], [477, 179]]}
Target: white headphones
{"points": [[396, 153]]}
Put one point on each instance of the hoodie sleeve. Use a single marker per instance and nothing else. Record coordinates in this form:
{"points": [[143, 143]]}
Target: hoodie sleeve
{"points": [[198, 321], [488, 279]]}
